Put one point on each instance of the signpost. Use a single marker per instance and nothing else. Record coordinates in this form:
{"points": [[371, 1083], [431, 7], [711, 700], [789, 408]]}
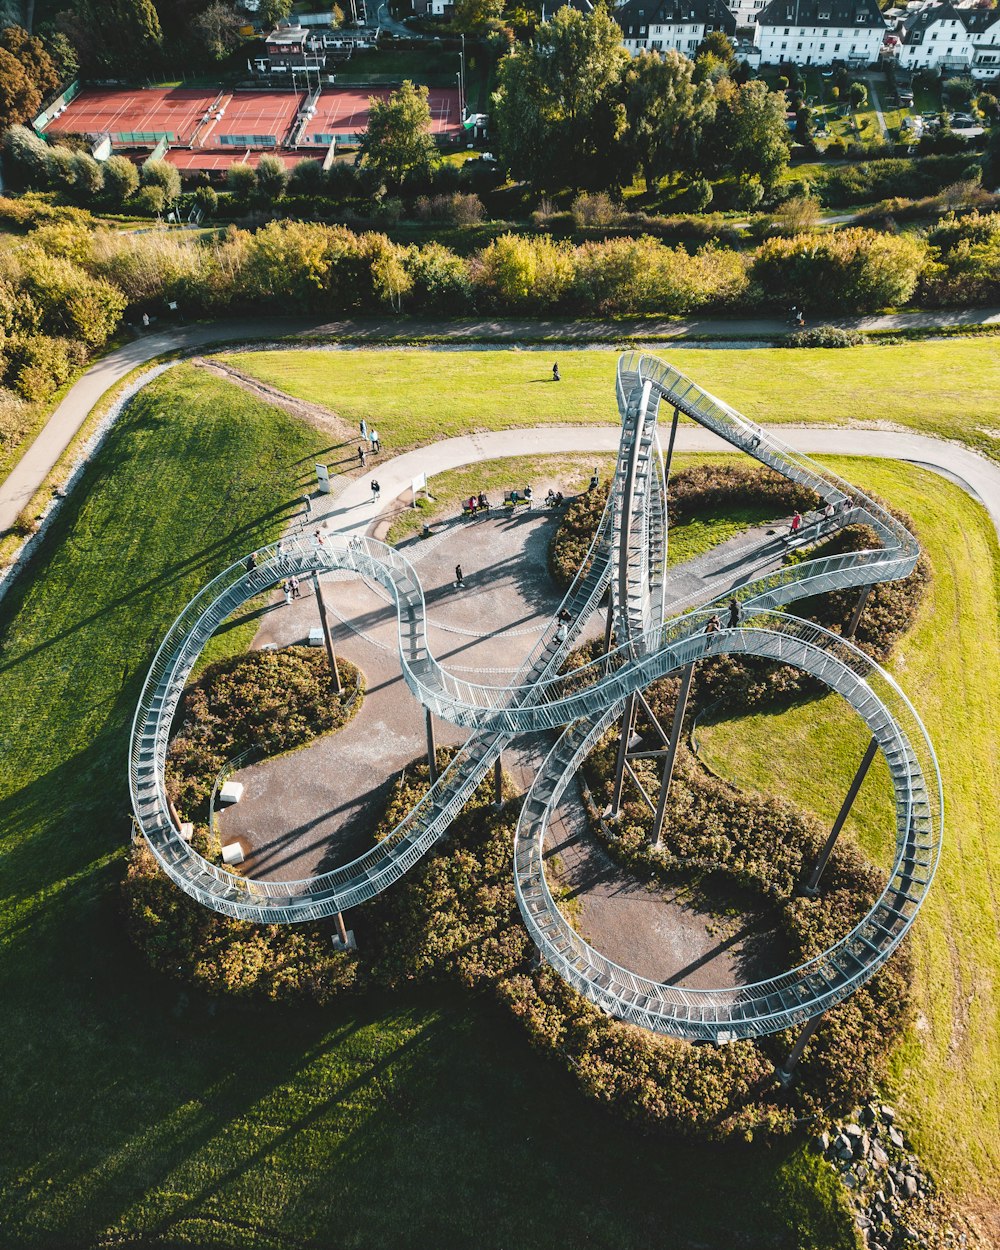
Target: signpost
{"points": [[323, 478], [419, 484]]}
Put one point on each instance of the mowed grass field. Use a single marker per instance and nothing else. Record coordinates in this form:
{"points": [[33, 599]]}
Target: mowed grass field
{"points": [[946, 1077], [137, 1114], [946, 387]]}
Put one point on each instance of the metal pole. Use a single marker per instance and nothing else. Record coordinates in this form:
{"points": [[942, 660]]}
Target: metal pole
{"points": [[856, 618], [813, 887], [627, 715], [670, 444], [341, 927], [328, 637], [610, 625], [431, 751], [498, 780], [675, 737], [784, 1073]]}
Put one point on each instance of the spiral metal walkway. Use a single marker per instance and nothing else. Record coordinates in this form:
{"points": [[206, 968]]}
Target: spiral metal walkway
{"points": [[627, 557]]}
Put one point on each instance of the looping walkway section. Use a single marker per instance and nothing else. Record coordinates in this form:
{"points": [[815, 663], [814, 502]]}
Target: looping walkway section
{"points": [[627, 558]]}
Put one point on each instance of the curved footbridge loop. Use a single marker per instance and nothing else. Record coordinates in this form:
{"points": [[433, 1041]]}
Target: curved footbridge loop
{"points": [[627, 557]]}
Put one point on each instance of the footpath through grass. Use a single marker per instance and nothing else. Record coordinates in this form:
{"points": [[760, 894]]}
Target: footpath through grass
{"points": [[134, 1113], [947, 1075], [946, 387]]}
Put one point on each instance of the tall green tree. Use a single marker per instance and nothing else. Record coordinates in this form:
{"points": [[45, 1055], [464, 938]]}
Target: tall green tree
{"points": [[564, 92], [115, 34], [34, 59], [749, 135], [218, 29], [398, 142], [667, 112], [19, 96]]}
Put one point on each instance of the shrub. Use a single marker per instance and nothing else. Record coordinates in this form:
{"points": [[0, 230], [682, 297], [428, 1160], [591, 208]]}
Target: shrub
{"points": [[593, 208], [272, 179], [38, 365], [121, 180], [241, 182], [25, 157], [699, 195], [149, 201], [273, 701], [188, 942], [749, 192], [572, 539], [826, 336], [207, 200]]}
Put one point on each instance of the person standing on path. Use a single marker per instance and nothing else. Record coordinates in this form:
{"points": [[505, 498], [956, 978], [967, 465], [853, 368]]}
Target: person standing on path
{"points": [[293, 581], [796, 524], [376, 491], [735, 612], [289, 594], [362, 456], [459, 579], [363, 427]]}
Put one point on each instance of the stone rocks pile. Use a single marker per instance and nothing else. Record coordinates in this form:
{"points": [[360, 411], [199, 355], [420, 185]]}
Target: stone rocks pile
{"points": [[894, 1201]]}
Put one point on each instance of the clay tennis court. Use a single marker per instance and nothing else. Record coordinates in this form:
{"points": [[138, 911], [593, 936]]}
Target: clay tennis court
{"points": [[342, 112], [175, 112], [253, 119], [218, 161]]}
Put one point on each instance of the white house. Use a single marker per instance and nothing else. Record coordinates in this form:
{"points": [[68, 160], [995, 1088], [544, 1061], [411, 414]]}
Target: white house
{"points": [[659, 25], [951, 38], [818, 32]]}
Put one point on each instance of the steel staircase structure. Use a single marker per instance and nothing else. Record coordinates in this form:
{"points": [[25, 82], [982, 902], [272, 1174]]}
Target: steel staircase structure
{"points": [[627, 558]]}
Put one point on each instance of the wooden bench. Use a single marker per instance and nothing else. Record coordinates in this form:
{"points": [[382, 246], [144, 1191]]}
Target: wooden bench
{"points": [[513, 499]]}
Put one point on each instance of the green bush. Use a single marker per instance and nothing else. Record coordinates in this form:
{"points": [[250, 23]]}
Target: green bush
{"points": [[188, 942], [826, 336], [575, 533], [272, 701]]}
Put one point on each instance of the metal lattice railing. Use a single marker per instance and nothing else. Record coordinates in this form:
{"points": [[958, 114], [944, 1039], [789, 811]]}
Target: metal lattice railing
{"points": [[627, 556]]}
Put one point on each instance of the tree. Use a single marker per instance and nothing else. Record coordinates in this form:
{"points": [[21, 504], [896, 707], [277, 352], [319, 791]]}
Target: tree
{"points": [[64, 55], [563, 93], [272, 178], [749, 135], [88, 177], [114, 34], [858, 94], [272, 11], [207, 200], [19, 97], [162, 174], [35, 61], [666, 112], [241, 182], [718, 44], [26, 157], [477, 17], [121, 179], [218, 28], [398, 140]]}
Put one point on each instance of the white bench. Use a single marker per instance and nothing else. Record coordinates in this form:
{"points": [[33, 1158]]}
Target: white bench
{"points": [[231, 792], [233, 853]]}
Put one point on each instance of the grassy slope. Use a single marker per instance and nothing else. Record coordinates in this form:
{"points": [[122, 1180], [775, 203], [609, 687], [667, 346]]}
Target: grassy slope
{"points": [[132, 1112], [947, 1076], [950, 388]]}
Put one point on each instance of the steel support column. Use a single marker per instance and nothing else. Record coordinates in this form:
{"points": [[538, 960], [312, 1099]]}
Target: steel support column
{"points": [[327, 636], [431, 750], [856, 618], [787, 1069], [812, 887], [628, 715], [670, 447], [498, 781], [675, 737], [341, 927]]}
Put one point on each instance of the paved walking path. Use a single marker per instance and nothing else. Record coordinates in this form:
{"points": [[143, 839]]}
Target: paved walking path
{"points": [[29, 474], [353, 511]]}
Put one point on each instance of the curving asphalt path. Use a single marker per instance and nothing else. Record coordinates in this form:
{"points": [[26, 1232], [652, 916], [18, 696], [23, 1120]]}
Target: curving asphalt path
{"points": [[29, 474]]}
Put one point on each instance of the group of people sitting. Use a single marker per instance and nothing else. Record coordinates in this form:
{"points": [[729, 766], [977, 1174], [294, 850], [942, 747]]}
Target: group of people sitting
{"points": [[475, 504]]}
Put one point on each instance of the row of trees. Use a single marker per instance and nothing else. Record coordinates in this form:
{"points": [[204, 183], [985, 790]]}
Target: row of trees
{"points": [[30, 70], [572, 108]]}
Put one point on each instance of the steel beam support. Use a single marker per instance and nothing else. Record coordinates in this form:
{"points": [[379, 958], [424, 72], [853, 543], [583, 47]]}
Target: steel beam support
{"points": [[670, 447], [431, 750], [856, 618], [675, 737], [498, 781], [628, 716], [341, 927], [809, 1029], [812, 888], [327, 636]]}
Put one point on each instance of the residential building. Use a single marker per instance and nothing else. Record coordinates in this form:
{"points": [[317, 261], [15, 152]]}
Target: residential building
{"points": [[659, 25], [819, 32], [949, 38]]}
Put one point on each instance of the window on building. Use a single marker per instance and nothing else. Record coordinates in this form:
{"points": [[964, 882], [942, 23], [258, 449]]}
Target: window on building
{"points": [[784, 47], [836, 47], [785, 31], [798, 46]]}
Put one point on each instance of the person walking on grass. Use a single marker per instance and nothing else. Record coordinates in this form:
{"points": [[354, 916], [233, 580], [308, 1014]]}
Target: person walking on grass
{"points": [[362, 456], [459, 578], [376, 491], [555, 373], [376, 442], [363, 427]]}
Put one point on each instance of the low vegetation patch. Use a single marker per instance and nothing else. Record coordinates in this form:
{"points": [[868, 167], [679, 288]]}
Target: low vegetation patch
{"points": [[273, 701]]}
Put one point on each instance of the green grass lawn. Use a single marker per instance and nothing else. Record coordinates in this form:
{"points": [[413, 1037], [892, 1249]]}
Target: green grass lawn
{"points": [[949, 388], [135, 1113], [947, 1075]]}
